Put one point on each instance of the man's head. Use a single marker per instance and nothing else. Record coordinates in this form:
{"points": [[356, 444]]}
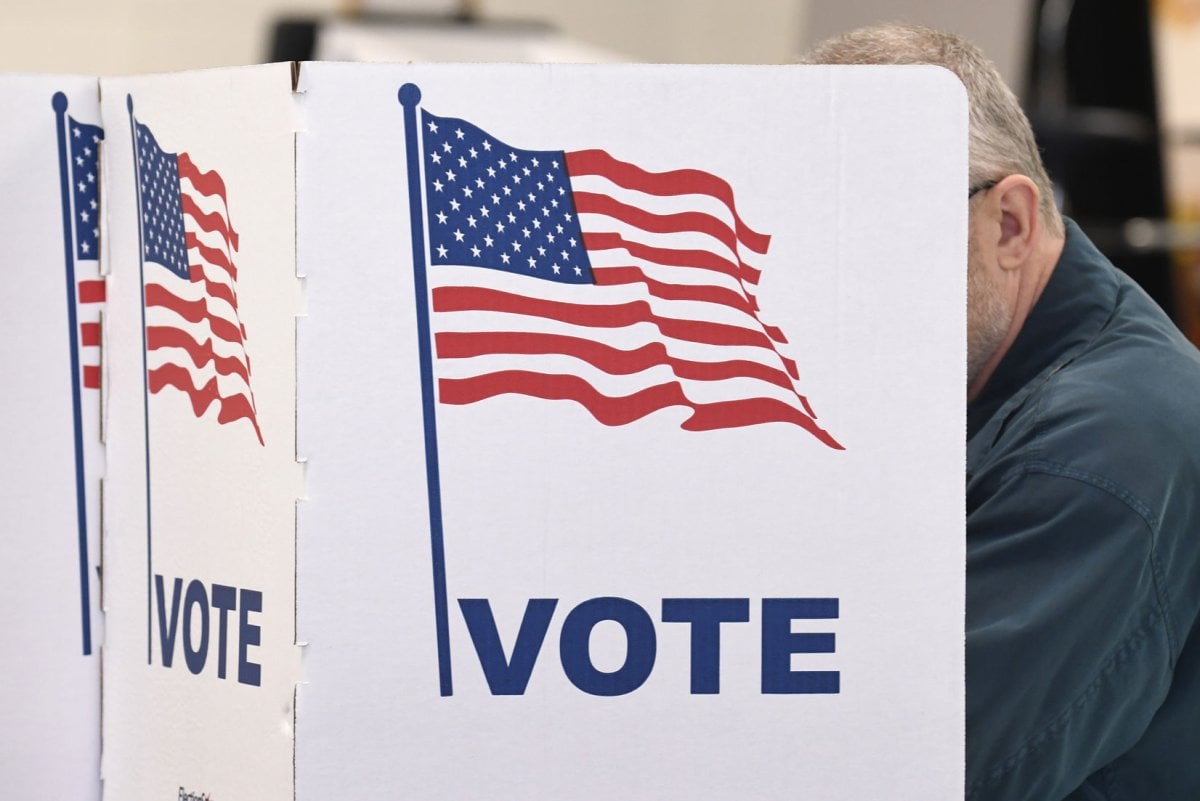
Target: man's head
{"points": [[1015, 232]]}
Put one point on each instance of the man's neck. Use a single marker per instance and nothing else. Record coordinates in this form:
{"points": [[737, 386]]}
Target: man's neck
{"points": [[1033, 277]]}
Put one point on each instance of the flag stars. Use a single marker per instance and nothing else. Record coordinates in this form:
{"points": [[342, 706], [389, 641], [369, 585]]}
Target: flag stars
{"points": [[455, 205], [516, 246], [437, 185], [462, 162], [487, 240], [450, 176], [432, 126], [525, 171], [507, 190], [77, 133], [435, 157], [468, 191], [473, 152], [475, 251], [441, 217], [483, 211], [521, 205], [458, 235], [556, 268], [537, 224], [487, 145], [471, 220], [441, 249], [458, 132], [446, 147], [578, 271], [532, 263], [479, 183], [541, 251], [512, 218], [495, 199], [499, 227], [504, 258], [491, 171], [525, 231]]}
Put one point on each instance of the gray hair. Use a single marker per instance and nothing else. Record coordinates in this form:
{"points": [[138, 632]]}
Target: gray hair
{"points": [[1001, 140]]}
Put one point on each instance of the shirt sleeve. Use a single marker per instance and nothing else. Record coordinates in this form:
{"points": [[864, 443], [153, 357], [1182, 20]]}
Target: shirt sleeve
{"points": [[1068, 652]]}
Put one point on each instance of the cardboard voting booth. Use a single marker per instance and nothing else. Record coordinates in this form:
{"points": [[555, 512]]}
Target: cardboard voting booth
{"points": [[479, 432], [51, 473]]}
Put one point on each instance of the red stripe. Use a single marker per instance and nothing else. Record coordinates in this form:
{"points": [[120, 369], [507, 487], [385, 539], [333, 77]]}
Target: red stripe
{"points": [[695, 221], [232, 408], [752, 412], [89, 334], [616, 315], [201, 353], [698, 259], [609, 411], [210, 221], [623, 410], [213, 256], [214, 289], [194, 311], [209, 184], [665, 184], [457, 345], [91, 291], [91, 376], [617, 276]]}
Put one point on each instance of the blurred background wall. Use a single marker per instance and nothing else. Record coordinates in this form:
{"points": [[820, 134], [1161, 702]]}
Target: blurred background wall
{"points": [[132, 36], [1109, 84]]}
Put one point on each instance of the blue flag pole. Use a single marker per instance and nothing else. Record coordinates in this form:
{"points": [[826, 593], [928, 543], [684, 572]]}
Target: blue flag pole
{"points": [[137, 172], [59, 103], [410, 96]]}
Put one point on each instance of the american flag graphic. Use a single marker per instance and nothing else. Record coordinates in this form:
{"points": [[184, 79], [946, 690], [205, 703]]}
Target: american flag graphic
{"points": [[577, 276], [84, 166], [195, 339]]}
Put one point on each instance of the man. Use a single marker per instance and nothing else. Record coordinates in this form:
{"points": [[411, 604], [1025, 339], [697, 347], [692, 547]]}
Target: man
{"points": [[1083, 483]]}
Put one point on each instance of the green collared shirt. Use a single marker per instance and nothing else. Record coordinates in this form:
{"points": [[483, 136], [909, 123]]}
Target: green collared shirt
{"points": [[1083, 550]]}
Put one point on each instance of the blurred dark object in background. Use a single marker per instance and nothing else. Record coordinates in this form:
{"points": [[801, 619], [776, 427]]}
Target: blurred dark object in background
{"points": [[1092, 100]]}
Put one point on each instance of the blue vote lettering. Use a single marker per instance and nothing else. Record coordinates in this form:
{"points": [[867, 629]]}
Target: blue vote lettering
{"points": [[509, 674], [198, 607]]}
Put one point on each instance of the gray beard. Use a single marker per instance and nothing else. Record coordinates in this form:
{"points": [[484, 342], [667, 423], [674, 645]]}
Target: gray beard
{"points": [[988, 321]]}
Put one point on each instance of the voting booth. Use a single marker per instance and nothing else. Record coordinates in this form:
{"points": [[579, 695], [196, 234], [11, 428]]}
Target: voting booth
{"points": [[491, 432]]}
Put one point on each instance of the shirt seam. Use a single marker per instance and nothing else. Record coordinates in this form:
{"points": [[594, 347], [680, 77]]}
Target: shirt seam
{"points": [[1124, 652], [1135, 504]]}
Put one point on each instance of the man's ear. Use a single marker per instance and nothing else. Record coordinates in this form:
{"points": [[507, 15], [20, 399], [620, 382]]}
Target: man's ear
{"points": [[1018, 200]]}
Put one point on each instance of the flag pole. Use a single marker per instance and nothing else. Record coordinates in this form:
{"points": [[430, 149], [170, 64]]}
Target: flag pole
{"points": [[137, 173], [59, 103], [409, 96]]}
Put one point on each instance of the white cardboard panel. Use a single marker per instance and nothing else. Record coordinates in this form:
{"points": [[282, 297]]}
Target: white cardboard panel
{"points": [[858, 175], [49, 652], [221, 504]]}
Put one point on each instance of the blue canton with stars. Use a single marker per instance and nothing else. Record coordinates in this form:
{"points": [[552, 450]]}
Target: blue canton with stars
{"points": [[85, 174], [491, 205], [163, 239]]}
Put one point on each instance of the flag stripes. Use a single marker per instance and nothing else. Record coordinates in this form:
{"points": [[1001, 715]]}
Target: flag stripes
{"points": [[195, 338], [577, 276]]}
